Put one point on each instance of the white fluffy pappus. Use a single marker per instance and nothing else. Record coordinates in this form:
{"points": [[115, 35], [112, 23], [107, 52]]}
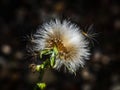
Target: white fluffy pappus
{"points": [[71, 44]]}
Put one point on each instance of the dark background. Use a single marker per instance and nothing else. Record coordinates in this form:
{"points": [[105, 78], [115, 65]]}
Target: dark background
{"points": [[20, 18]]}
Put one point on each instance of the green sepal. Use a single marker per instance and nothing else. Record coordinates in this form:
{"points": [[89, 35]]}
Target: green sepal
{"points": [[55, 50], [52, 59], [45, 52]]}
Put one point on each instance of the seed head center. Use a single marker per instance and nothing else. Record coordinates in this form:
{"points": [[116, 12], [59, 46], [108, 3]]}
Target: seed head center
{"points": [[62, 50]]}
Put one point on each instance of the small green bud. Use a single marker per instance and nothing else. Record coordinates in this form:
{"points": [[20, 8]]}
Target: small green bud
{"points": [[41, 85], [38, 68]]}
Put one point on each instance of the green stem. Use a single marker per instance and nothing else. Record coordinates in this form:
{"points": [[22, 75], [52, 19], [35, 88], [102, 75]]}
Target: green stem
{"points": [[50, 62]]}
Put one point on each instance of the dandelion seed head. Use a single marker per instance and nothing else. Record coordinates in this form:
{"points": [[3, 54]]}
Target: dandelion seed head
{"points": [[72, 47]]}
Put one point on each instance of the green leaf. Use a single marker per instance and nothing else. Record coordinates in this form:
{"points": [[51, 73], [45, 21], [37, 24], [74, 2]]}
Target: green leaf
{"points": [[41, 85]]}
